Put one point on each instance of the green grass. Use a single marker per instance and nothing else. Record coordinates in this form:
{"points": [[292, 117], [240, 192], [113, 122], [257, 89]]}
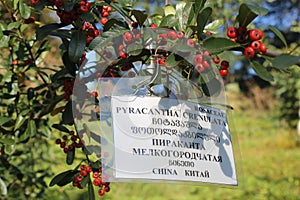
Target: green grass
{"points": [[269, 164]]}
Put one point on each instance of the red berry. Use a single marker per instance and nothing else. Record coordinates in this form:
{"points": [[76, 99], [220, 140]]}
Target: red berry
{"points": [[82, 167], [127, 37], [153, 25], [88, 169], [255, 45], [200, 68], [206, 64], [121, 47], [206, 53], [62, 144], [105, 14], [241, 38], [84, 8], [190, 43], [71, 147], [109, 8], [198, 59], [58, 141], [71, 133], [162, 61], [232, 32], [78, 179], [96, 32], [65, 137], [73, 138], [163, 35], [180, 35], [14, 62], [224, 64], [249, 52], [66, 149], [96, 174], [242, 30], [91, 32], [34, 2], [134, 24], [83, 172], [106, 188], [101, 192], [216, 59], [223, 72], [255, 34], [97, 182], [94, 94], [172, 35], [29, 20], [103, 20], [123, 54], [59, 3], [263, 48]]}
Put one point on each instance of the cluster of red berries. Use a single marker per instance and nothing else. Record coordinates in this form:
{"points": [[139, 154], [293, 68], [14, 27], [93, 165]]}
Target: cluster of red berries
{"points": [[249, 37], [69, 142], [67, 17], [84, 172], [201, 61], [91, 30], [104, 11], [223, 66], [68, 88]]}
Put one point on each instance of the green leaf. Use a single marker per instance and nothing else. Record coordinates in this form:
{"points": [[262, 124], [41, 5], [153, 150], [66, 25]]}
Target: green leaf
{"points": [[67, 116], [214, 26], [202, 19], [70, 157], [19, 122], [31, 128], [216, 45], [43, 31], [8, 141], [190, 19], [181, 14], [4, 120], [15, 4], [278, 34], [24, 9], [77, 45], [89, 17], [284, 61], [135, 49], [63, 178], [171, 61], [262, 72], [4, 41], [248, 12], [140, 16], [61, 128], [13, 25], [111, 22], [169, 10], [91, 191], [169, 21], [85, 181], [199, 4]]}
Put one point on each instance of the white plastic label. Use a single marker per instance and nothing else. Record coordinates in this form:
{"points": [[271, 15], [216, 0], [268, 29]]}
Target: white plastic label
{"points": [[167, 139]]}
